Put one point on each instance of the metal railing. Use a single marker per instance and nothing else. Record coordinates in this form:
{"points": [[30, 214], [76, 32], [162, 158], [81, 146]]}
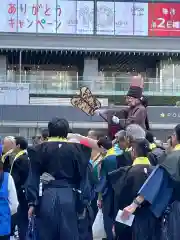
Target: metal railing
{"points": [[98, 85]]}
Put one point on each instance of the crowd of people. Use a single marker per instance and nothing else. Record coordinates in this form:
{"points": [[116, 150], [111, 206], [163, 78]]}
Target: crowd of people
{"points": [[74, 187], [64, 179]]}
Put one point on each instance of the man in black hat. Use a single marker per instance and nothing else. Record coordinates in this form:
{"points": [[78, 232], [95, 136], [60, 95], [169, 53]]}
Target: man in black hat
{"points": [[136, 111]]}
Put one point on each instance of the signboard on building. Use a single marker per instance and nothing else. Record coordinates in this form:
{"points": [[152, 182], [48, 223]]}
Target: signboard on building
{"points": [[82, 17], [14, 94], [164, 19], [68, 17], [122, 18]]}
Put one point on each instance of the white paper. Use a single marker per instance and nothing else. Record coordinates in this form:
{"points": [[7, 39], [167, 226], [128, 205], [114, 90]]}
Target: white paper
{"points": [[127, 222]]}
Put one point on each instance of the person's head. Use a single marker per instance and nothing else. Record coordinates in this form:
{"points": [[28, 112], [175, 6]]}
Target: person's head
{"points": [[135, 91], [132, 101], [93, 134], [58, 127], [121, 139], [8, 143], [36, 140], [140, 148], [21, 144], [105, 142], [44, 135], [134, 132], [134, 94], [149, 137], [176, 136]]}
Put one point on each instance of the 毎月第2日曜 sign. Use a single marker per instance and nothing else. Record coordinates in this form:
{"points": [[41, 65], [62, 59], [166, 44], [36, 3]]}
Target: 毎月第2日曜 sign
{"points": [[164, 19]]}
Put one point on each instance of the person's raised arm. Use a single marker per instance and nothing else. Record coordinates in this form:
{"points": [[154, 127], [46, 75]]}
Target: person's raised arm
{"points": [[92, 143]]}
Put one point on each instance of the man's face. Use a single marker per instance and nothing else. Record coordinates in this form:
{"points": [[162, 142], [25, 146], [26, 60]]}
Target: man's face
{"points": [[7, 145], [131, 101], [122, 144]]}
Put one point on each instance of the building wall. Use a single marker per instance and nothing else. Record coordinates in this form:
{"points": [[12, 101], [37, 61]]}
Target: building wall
{"points": [[3, 68]]}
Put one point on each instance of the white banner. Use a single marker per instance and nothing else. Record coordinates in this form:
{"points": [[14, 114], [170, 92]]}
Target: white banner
{"points": [[85, 17], [44, 16], [131, 18], [14, 94], [105, 18]]}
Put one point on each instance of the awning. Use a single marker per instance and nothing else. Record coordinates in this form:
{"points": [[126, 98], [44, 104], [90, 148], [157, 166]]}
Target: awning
{"points": [[88, 43]]}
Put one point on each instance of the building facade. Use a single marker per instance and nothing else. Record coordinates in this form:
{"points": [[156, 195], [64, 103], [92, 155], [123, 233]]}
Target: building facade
{"points": [[52, 49]]}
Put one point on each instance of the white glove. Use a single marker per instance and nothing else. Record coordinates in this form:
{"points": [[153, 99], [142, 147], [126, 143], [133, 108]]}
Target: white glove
{"points": [[115, 120]]}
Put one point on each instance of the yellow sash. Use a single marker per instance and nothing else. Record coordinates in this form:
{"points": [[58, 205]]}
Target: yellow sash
{"points": [[57, 139], [152, 146], [20, 153], [128, 149], [4, 155], [141, 160], [109, 152], [177, 147]]}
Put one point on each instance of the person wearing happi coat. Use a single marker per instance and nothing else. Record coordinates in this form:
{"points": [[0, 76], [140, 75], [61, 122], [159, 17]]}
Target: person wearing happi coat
{"points": [[107, 164], [65, 164], [19, 171], [126, 182], [161, 191]]}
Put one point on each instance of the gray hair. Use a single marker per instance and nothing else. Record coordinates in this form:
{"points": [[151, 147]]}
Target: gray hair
{"points": [[10, 138], [134, 131], [120, 135]]}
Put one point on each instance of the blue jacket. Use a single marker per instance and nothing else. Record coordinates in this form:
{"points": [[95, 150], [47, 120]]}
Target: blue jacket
{"points": [[5, 216]]}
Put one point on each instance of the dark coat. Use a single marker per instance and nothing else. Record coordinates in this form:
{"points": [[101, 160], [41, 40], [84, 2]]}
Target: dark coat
{"points": [[137, 115]]}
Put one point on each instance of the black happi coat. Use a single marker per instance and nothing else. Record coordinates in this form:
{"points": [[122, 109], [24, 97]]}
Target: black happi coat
{"points": [[67, 163], [19, 172], [126, 183]]}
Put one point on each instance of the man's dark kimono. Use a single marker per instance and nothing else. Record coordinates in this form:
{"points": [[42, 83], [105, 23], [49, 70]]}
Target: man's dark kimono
{"points": [[126, 182], [57, 209], [19, 172], [161, 190]]}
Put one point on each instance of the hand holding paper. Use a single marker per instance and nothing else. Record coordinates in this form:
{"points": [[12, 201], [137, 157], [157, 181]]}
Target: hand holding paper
{"points": [[125, 217]]}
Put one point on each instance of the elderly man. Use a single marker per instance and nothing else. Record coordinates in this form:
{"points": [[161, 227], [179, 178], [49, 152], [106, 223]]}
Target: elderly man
{"points": [[8, 155], [135, 131]]}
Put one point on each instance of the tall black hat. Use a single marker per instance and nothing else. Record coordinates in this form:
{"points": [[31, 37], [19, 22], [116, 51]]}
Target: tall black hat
{"points": [[136, 87]]}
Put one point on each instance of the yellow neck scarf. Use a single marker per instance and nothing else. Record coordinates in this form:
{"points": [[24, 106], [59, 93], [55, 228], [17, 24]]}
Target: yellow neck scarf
{"points": [[177, 147], [57, 139], [4, 155], [152, 146], [20, 153], [141, 160], [128, 149]]}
